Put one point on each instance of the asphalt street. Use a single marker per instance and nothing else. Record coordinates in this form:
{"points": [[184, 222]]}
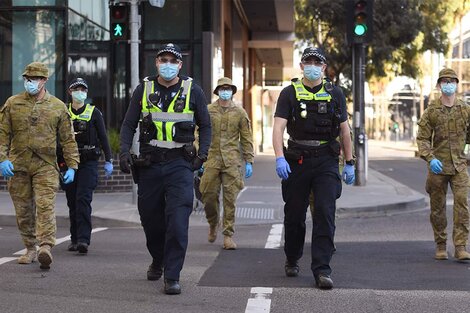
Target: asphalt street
{"points": [[382, 264]]}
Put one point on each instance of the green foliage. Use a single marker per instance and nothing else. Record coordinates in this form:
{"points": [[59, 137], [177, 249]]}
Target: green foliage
{"points": [[114, 142], [403, 30]]}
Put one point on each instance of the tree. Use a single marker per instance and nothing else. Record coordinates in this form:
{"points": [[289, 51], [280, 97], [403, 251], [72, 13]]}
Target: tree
{"points": [[403, 29]]}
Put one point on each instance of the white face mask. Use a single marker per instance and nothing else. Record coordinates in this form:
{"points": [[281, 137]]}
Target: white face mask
{"points": [[79, 96]]}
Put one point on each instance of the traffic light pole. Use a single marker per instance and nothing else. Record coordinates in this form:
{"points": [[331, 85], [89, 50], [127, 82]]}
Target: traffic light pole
{"points": [[360, 138], [134, 43]]}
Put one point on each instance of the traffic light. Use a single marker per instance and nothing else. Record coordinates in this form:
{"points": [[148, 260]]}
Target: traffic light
{"points": [[119, 21], [359, 21]]}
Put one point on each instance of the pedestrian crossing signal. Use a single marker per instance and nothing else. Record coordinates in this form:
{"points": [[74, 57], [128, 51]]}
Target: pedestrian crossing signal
{"points": [[119, 18]]}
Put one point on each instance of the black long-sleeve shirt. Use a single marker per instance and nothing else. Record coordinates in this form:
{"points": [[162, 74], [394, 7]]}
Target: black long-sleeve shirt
{"points": [[198, 103], [98, 134]]}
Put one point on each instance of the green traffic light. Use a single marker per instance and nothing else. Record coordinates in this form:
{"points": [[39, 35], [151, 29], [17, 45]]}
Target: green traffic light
{"points": [[117, 30], [360, 29]]}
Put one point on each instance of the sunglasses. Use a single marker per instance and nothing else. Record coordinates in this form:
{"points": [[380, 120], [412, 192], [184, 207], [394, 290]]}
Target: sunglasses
{"points": [[448, 81]]}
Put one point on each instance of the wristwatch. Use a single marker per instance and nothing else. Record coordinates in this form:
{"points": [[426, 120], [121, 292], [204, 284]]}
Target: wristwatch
{"points": [[351, 162]]}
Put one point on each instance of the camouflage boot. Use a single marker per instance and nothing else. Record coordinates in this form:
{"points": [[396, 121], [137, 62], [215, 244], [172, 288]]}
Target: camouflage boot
{"points": [[212, 233], [45, 257], [229, 244], [461, 254], [441, 252], [28, 257]]}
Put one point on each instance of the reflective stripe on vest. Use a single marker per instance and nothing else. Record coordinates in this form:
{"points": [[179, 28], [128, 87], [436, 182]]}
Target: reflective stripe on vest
{"points": [[164, 121], [301, 93], [85, 115]]}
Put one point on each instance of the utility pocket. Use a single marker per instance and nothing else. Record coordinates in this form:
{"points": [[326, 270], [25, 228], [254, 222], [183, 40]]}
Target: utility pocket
{"points": [[184, 131]]}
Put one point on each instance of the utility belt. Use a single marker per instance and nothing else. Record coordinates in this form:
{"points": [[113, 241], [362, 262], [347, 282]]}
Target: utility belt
{"points": [[298, 152], [88, 153], [152, 154]]}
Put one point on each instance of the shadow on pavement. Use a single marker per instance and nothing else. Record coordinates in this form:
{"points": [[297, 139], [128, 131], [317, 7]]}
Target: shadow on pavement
{"points": [[364, 265]]}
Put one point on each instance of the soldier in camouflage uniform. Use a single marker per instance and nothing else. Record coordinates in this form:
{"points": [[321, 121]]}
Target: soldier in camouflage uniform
{"points": [[230, 130], [31, 123], [442, 135]]}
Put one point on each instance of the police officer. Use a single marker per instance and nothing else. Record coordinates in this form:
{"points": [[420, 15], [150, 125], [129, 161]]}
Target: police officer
{"points": [[442, 135], [31, 124], [90, 134], [231, 130], [314, 112], [169, 106]]}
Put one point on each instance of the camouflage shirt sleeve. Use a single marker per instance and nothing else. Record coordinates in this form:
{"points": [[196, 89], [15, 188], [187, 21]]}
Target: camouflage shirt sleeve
{"points": [[67, 140], [424, 137], [5, 131], [246, 138]]}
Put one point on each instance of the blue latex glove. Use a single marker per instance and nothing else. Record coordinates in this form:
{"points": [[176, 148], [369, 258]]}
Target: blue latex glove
{"points": [[201, 170], [282, 168], [436, 166], [7, 168], [69, 175], [108, 169], [248, 170], [348, 174]]}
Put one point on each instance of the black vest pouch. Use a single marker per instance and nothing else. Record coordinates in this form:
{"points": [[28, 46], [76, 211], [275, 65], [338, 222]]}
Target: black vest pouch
{"points": [[184, 132], [147, 129], [189, 152]]}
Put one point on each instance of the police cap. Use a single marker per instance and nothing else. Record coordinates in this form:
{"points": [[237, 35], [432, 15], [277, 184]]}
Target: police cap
{"points": [[447, 73], [171, 48], [36, 69], [78, 82], [225, 81], [313, 52]]}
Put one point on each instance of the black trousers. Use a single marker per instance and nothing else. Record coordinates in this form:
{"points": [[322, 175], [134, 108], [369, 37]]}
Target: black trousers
{"points": [[320, 175], [165, 201], [79, 195]]}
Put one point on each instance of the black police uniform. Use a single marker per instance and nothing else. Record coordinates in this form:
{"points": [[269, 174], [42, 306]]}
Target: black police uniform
{"points": [[165, 186], [312, 168], [91, 137]]}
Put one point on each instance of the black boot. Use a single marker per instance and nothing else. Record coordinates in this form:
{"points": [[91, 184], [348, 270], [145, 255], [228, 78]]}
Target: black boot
{"points": [[291, 268], [323, 281], [82, 247], [155, 271], [172, 287]]}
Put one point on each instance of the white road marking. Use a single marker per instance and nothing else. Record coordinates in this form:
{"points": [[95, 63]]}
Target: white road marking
{"points": [[275, 236], [260, 303], [7, 259], [63, 239]]}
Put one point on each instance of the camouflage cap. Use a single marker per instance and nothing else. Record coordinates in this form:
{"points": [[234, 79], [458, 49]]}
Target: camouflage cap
{"points": [[225, 81], [447, 73], [36, 69]]}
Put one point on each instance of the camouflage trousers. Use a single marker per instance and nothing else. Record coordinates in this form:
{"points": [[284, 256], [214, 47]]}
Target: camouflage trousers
{"points": [[436, 187], [33, 193], [230, 178]]}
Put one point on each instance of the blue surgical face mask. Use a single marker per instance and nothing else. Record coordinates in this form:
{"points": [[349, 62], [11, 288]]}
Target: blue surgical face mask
{"points": [[448, 88], [312, 72], [225, 94], [79, 96], [168, 71], [32, 87]]}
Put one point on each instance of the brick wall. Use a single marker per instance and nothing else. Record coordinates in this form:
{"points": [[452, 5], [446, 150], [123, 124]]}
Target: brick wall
{"points": [[118, 182]]}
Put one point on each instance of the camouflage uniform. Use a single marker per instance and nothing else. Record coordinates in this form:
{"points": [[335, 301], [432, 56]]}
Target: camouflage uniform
{"points": [[442, 135], [230, 129], [28, 137]]}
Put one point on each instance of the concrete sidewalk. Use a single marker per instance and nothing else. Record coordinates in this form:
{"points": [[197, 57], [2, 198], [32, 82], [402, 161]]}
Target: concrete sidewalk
{"points": [[381, 196]]}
